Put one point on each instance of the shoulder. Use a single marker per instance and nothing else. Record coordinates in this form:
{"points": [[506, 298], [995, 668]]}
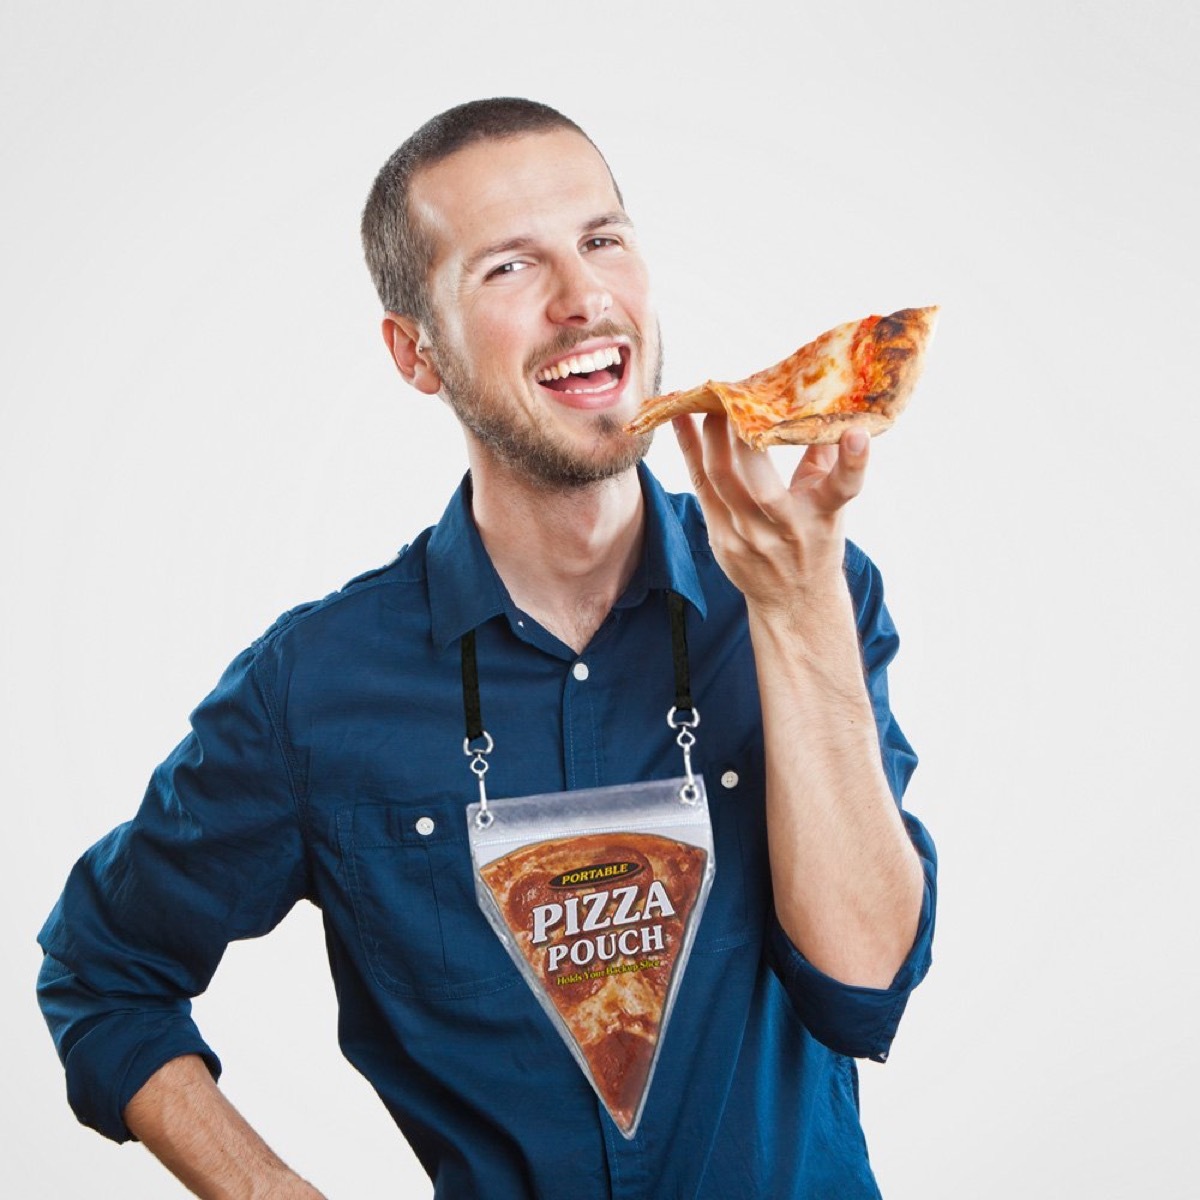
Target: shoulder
{"points": [[398, 588]]}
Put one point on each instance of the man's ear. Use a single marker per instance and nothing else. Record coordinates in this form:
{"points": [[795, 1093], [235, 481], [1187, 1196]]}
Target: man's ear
{"points": [[409, 349]]}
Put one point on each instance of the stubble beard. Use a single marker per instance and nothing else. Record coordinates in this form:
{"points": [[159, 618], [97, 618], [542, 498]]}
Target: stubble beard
{"points": [[531, 451]]}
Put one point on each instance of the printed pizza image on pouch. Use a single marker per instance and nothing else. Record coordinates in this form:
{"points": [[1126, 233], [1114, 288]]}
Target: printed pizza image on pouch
{"points": [[601, 919]]}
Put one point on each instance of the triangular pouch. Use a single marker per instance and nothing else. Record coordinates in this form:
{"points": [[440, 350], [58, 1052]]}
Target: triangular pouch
{"points": [[596, 895]]}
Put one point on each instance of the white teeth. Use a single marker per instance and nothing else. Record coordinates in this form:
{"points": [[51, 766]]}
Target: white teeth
{"points": [[581, 364]]}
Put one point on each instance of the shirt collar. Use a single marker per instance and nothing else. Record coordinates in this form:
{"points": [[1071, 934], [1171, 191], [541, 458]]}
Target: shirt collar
{"points": [[465, 590], [667, 562]]}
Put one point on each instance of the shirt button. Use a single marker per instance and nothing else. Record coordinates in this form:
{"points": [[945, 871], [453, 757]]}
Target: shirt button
{"points": [[425, 826], [580, 671], [729, 779]]}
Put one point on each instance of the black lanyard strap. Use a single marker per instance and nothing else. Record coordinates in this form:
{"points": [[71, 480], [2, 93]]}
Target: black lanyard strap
{"points": [[470, 686], [478, 744], [683, 717], [679, 650]]}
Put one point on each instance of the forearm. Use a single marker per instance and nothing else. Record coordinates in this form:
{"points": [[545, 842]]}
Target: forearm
{"points": [[185, 1121], [848, 884]]}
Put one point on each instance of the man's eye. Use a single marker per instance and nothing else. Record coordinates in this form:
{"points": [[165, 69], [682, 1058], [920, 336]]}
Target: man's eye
{"points": [[507, 268], [600, 243]]}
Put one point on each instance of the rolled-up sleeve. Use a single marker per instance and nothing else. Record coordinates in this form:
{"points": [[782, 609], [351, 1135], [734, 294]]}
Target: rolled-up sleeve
{"points": [[861, 1021], [214, 854]]}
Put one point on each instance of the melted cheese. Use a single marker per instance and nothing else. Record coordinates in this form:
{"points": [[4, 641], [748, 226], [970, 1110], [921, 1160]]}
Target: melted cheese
{"points": [[823, 385]]}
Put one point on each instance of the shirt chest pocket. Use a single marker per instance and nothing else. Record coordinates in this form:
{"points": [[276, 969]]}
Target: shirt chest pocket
{"points": [[408, 870]]}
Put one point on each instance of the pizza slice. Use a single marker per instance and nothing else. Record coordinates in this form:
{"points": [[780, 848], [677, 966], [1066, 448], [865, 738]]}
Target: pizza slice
{"points": [[600, 920], [860, 373]]}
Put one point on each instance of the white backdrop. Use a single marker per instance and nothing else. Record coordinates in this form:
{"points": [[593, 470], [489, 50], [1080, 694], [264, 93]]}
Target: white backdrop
{"points": [[201, 429]]}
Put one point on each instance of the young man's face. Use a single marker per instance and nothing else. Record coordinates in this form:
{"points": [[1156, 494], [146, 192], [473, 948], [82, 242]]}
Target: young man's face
{"points": [[545, 342]]}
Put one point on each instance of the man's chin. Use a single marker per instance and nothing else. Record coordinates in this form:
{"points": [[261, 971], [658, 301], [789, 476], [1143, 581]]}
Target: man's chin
{"points": [[574, 456], [557, 470]]}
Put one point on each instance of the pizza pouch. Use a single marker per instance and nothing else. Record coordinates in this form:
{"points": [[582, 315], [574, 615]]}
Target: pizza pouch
{"points": [[596, 896]]}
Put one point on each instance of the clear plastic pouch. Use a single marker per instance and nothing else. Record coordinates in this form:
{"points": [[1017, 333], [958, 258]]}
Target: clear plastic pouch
{"points": [[597, 895]]}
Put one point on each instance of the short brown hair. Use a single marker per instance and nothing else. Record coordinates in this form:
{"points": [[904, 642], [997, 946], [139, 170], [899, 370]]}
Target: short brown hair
{"points": [[397, 249]]}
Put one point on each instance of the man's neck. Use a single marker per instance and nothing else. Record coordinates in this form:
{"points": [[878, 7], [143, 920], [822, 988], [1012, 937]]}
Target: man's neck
{"points": [[565, 556]]}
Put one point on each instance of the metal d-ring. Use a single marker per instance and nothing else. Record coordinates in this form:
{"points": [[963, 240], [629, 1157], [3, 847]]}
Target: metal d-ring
{"points": [[689, 793], [479, 766]]}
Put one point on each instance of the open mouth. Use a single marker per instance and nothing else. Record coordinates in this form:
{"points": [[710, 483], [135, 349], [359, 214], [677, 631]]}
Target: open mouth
{"points": [[586, 374]]}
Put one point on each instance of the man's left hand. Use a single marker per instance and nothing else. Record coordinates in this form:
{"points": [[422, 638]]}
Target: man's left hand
{"points": [[780, 544]]}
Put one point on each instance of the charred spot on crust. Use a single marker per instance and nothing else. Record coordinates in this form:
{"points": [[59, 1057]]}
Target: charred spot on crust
{"points": [[905, 328], [905, 320]]}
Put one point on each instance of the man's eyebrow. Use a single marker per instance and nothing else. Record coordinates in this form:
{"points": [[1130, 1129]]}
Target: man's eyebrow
{"points": [[616, 217], [524, 241], [486, 252]]}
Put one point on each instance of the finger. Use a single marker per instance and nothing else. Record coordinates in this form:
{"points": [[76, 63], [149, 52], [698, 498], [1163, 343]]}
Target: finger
{"points": [[690, 445], [849, 472], [720, 466], [762, 481], [813, 467]]}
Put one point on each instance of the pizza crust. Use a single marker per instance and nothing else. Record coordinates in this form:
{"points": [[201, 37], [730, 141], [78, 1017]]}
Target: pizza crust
{"points": [[859, 374]]}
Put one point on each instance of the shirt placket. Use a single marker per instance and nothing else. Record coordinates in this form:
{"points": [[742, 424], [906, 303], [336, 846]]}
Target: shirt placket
{"points": [[582, 750], [583, 707]]}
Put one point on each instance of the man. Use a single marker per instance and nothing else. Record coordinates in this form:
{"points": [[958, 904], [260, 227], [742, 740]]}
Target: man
{"points": [[328, 762]]}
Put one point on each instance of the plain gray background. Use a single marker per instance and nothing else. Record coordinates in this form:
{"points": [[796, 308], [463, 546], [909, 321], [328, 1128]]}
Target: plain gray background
{"points": [[201, 429]]}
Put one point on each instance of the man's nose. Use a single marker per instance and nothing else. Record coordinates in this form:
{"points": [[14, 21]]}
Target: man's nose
{"points": [[580, 297]]}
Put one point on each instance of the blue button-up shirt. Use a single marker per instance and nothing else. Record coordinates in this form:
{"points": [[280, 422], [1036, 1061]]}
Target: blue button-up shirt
{"points": [[327, 765]]}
